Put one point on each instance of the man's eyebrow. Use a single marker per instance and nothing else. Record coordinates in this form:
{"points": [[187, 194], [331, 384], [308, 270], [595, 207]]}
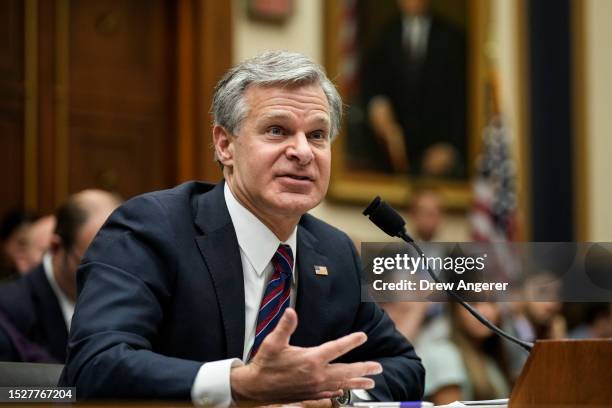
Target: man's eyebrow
{"points": [[275, 116], [322, 119], [287, 116]]}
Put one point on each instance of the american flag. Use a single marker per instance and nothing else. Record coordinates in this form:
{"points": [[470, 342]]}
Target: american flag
{"points": [[493, 217], [348, 48]]}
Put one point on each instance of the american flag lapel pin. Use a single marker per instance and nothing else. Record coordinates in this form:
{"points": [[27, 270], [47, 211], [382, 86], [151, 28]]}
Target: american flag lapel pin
{"points": [[320, 270]]}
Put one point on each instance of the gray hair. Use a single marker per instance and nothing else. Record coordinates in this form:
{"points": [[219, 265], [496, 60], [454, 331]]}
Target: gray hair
{"points": [[270, 68]]}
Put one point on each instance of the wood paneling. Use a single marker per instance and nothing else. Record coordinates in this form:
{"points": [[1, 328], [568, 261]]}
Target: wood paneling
{"points": [[11, 103], [204, 55], [116, 94], [11, 160], [565, 374], [11, 42], [120, 101], [215, 55], [46, 98]]}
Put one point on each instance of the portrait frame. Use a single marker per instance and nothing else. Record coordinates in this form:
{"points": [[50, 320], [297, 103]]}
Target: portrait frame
{"points": [[360, 186]]}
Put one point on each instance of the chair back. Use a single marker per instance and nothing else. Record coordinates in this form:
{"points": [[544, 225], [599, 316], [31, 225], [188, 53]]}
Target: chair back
{"points": [[29, 374]]}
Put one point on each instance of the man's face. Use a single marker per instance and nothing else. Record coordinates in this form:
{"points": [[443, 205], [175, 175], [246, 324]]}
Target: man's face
{"points": [[413, 7], [68, 260], [279, 163], [427, 215], [16, 248]]}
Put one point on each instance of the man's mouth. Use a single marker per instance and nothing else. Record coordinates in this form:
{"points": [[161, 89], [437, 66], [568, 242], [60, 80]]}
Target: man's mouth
{"points": [[297, 177]]}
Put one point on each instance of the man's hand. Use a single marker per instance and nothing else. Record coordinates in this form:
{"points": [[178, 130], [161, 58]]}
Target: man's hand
{"points": [[382, 119], [281, 372], [439, 160]]}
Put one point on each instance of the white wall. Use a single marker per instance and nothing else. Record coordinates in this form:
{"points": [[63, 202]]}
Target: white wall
{"points": [[302, 32], [598, 55]]}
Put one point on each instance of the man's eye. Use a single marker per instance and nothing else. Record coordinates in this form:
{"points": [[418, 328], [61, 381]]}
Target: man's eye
{"points": [[276, 130], [318, 135]]}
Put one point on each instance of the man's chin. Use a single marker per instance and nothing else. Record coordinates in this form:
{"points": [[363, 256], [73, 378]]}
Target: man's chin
{"points": [[296, 204]]}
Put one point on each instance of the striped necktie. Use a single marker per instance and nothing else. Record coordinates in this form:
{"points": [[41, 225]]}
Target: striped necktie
{"points": [[276, 297]]}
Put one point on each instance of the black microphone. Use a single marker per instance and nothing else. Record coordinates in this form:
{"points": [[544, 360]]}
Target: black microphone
{"points": [[389, 220]]}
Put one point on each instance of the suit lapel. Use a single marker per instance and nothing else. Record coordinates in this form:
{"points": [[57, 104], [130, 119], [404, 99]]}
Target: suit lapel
{"points": [[49, 314], [219, 248], [313, 291]]}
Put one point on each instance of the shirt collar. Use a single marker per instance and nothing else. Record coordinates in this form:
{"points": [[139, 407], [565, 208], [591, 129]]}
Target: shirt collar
{"points": [[423, 22], [66, 305], [424, 19], [255, 239]]}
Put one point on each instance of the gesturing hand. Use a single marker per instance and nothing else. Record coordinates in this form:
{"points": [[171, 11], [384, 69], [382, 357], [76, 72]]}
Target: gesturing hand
{"points": [[281, 372]]}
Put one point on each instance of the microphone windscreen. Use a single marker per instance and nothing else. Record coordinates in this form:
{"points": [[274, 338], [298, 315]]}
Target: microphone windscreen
{"points": [[385, 217]]}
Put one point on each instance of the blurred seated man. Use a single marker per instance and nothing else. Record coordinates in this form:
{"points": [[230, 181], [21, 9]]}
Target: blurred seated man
{"points": [[14, 241], [426, 217], [40, 304], [233, 292]]}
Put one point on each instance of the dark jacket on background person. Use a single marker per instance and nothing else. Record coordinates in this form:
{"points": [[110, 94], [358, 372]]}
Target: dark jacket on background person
{"points": [[16, 348], [32, 307]]}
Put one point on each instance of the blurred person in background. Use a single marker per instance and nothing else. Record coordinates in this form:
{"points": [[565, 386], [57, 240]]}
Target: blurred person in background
{"points": [[40, 304], [597, 322], [14, 241], [468, 362], [426, 216], [539, 316], [539, 320], [531, 321], [14, 346], [25, 238], [414, 84], [40, 236]]}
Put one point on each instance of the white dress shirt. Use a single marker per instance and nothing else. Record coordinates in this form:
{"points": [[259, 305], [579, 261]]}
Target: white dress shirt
{"points": [[66, 305], [257, 247], [416, 35]]}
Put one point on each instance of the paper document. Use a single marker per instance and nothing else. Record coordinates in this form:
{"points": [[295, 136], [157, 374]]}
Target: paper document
{"points": [[498, 403]]}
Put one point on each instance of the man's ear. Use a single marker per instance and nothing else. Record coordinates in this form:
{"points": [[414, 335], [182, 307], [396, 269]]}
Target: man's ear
{"points": [[56, 244], [224, 146]]}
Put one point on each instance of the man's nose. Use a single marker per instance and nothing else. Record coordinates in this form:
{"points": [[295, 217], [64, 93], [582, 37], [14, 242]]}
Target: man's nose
{"points": [[300, 149]]}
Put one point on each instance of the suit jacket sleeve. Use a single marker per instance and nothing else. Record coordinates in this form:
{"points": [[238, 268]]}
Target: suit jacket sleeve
{"points": [[124, 282], [403, 376]]}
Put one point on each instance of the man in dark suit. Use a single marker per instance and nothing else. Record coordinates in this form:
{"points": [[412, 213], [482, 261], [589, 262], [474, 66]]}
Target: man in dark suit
{"points": [[414, 85], [40, 303], [195, 292]]}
